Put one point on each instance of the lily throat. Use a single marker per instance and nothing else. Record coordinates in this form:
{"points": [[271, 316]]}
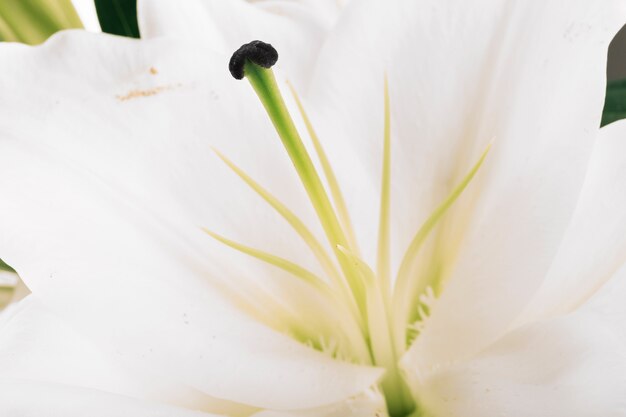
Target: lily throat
{"points": [[377, 316]]}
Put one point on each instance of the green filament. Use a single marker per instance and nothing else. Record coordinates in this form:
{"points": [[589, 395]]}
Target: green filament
{"points": [[407, 288], [288, 266], [304, 233], [329, 173], [293, 220], [264, 83], [298, 327], [383, 264], [399, 399]]}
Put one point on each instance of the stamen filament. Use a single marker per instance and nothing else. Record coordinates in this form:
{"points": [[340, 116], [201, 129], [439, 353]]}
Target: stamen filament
{"points": [[353, 333], [399, 399], [294, 269], [408, 288], [329, 173], [383, 262], [264, 306], [380, 315], [264, 83], [308, 329], [306, 235], [293, 220]]}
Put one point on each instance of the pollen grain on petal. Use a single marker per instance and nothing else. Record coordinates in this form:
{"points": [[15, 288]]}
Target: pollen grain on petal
{"points": [[148, 92]]}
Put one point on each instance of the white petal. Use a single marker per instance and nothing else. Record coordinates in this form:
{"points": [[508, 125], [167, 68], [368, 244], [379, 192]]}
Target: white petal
{"points": [[96, 228], [151, 116], [329, 10], [86, 10], [595, 243], [25, 398], [369, 404], [528, 76], [608, 302], [37, 345], [296, 29], [190, 20], [573, 366]]}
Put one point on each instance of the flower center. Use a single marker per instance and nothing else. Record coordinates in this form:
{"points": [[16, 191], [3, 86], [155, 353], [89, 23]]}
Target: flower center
{"points": [[374, 320]]}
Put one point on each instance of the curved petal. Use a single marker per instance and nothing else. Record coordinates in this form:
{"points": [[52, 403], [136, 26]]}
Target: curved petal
{"points": [[296, 28], [529, 77], [151, 113], [154, 106], [573, 366], [594, 246], [608, 302], [35, 399], [86, 10], [329, 10], [109, 187], [369, 404], [37, 345]]}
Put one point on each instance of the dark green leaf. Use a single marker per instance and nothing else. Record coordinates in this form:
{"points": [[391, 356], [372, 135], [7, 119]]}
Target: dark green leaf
{"points": [[118, 17], [615, 103]]}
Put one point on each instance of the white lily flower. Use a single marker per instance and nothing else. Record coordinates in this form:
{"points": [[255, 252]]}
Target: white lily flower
{"points": [[457, 283]]}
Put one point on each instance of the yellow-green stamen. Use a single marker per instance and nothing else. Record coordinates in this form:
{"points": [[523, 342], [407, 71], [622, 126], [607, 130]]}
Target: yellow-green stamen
{"points": [[305, 234], [399, 399], [329, 173], [293, 220], [306, 276], [264, 83], [383, 264], [407, 288], [351, 333]]}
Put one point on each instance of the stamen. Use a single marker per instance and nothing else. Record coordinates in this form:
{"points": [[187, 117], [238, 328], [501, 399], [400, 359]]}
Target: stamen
{"points": [[293, 220], [266, 308], [422, 313], [263, 81], [331, 179], [399, 399], [350, 329], [407, 287], [306, 235], [330, 348], [383, 264], [288, 266]]}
